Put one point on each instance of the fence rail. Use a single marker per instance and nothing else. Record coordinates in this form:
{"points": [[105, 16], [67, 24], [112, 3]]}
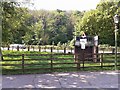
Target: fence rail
{"points": [[50, 62]]}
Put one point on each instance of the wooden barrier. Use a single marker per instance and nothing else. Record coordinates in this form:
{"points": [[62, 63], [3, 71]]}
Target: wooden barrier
{"points": [[51, 62]]}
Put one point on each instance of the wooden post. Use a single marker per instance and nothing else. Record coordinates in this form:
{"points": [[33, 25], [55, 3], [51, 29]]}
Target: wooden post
{"points": [[17, 48], [28, 48], [39, 48], [1, 57], [51, 49], [8, 47], [23, 63], [65, 50], [83, 57], [51, 59], [101, 60], [51, 63], [78, 62]]}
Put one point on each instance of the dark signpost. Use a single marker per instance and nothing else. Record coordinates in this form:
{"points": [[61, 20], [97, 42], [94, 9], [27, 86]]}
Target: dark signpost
{"points": [[86, 47]]}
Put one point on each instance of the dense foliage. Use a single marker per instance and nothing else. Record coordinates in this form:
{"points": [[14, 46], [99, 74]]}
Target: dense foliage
{"points": [[20, 25], [13, 22], [100, 22]]}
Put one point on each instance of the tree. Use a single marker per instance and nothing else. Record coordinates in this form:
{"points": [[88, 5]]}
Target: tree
{"points": [[99, 22], [51, 26], [13, 18]]}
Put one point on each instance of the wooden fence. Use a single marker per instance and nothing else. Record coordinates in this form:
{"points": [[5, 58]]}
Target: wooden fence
{"points": [[40, 63]]}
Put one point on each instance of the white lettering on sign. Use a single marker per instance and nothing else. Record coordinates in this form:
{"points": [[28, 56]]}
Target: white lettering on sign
{"points": [[83, 42], [82, 46]]}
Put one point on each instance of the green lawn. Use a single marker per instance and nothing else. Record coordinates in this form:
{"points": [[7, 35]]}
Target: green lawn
{"points": [[39, 63]]}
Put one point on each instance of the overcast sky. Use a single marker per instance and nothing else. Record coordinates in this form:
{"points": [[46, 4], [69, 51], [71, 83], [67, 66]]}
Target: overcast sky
{"points": [[64, 4]]}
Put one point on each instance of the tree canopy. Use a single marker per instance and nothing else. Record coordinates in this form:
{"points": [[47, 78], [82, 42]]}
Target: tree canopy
{"points": [[21, 25], [100, 22]]}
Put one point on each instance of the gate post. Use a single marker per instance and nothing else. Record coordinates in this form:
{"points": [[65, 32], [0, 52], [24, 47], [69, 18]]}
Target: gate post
{"points": [[51, 58], [83, 57], [23, 63], [78, 61]]}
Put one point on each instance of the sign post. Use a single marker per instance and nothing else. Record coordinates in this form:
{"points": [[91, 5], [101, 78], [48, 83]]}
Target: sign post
{"points": [[83, 43]]}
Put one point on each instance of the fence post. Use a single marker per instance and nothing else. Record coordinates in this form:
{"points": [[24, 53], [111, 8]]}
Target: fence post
{"points": [[78, 61], [1, 57], [39, 48], [8, 47], [64, 50], [83, 58], [51, 59], [17, 48], [23, 63], [28, 48], [51, 49], [113, 50], [101, 60]]}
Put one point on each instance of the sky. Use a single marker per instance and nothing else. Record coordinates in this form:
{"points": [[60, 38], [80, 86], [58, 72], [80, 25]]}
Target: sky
{"points": [[64, 4]]}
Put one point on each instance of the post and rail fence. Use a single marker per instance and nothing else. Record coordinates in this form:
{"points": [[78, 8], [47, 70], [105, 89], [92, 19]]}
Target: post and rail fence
{"points": [[52, 62]]}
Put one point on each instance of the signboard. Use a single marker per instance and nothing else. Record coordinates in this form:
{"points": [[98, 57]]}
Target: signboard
{"points": [[83, 46], [77, 43], [83, 42]]}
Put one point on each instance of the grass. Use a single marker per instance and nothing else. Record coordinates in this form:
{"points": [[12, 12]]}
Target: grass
{"points": [[43, 63]]}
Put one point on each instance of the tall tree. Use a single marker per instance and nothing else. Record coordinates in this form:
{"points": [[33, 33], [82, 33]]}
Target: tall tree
{"points": [[13, 18], [100, 22]]}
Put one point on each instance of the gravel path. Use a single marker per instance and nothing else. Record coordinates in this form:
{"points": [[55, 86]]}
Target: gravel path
{"points": [[106, 79]]}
